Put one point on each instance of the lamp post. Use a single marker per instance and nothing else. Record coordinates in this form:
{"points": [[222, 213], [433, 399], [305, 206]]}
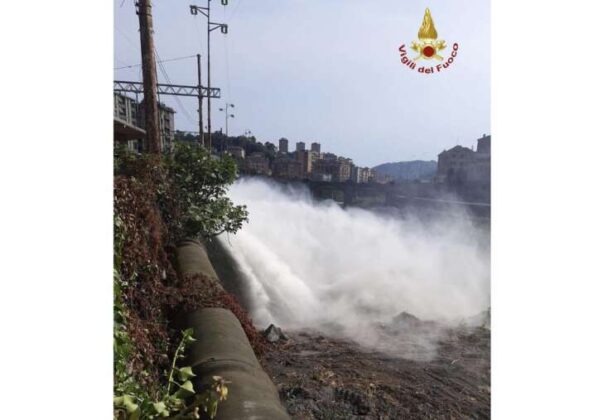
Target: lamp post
{"points": [[211, 26], [225, 109]]}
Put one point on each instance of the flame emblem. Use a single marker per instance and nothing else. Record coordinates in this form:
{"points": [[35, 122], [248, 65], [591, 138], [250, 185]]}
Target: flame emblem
{"points": [[428, 45]]}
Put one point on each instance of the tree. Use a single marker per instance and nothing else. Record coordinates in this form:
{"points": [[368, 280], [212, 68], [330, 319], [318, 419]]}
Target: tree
{"points": [[200, 185], [270, 147], [182, 136]]}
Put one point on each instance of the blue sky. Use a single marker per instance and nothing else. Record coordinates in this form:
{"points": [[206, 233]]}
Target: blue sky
{"points": [[326, 71]]}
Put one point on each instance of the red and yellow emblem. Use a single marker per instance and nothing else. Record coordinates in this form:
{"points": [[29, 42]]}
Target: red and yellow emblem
{"points": [[428, 45]]}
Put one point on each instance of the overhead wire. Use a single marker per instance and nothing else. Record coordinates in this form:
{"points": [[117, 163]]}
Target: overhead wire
{"points": [[162, 61], [127, 38], [227, 65], [236, 8], [202, 51], [119, 61], [163, 70], [226, 58], [178, 102], [132, 45]]}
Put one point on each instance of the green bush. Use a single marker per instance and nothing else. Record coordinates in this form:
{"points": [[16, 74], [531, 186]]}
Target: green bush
{"points": [[200, 184]]}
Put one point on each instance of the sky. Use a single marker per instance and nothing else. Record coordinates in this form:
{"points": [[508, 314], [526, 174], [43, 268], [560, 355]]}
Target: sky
{"points": [[325, 71]]}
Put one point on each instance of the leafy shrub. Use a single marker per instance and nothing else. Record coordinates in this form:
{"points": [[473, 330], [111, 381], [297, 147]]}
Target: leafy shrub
{"points": [[200, 185]]}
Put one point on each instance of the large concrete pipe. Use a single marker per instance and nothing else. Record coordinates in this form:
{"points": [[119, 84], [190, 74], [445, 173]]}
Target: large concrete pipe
{"points": [[222, 349], [229, 272], [191, 258]]}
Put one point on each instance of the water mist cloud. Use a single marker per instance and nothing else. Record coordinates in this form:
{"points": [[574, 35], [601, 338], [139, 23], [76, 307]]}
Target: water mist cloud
{"points": [[314, 264]]}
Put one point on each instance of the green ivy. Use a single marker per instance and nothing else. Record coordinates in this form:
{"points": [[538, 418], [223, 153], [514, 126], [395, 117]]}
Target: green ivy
{"points": [[132, 403]]}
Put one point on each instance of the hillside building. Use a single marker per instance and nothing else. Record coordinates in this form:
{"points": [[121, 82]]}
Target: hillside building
{"points": [[126, 128], [256, 164], [236, 152], [285, 167], [339, 170], [361, 175], [307, 159], [283, 145], [166, 125], [462, 166], [129, 123], [483, 144]]}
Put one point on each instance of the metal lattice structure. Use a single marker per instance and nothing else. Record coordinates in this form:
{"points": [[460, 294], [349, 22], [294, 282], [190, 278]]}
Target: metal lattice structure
{"points": [[166, 89]]}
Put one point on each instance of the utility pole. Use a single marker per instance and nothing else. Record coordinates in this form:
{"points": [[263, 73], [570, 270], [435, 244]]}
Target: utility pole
{"points": [[206, 11], [200, 97], [225, 109], [208, 80], [149, 76]]}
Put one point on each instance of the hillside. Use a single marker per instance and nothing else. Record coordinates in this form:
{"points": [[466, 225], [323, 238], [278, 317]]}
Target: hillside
{"points": [[408, 171]]}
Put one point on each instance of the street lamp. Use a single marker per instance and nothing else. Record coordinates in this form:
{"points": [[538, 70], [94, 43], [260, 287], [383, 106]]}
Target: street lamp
{"points": [[225, 109], [205, 11]]}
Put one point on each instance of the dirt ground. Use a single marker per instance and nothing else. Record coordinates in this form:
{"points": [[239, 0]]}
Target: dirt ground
{"points": [[320, 377]]}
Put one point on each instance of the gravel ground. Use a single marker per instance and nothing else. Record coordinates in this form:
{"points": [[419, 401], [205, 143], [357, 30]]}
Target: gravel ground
{"points": [[320, 377]]}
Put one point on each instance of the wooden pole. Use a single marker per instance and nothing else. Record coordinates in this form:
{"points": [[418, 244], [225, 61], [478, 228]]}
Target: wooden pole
{"points": [[149, 77]]}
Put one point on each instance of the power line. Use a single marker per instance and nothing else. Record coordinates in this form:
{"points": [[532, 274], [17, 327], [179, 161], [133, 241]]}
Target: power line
{"points": [[119, 61], [211, 26], [167, 78], [163, 72], [134, 46], [199, 30], [227, 64], [234, 10], [163, 61]]}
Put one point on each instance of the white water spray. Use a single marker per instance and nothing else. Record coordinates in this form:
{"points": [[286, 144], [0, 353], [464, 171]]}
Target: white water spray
{"points": [[314, 264]]}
